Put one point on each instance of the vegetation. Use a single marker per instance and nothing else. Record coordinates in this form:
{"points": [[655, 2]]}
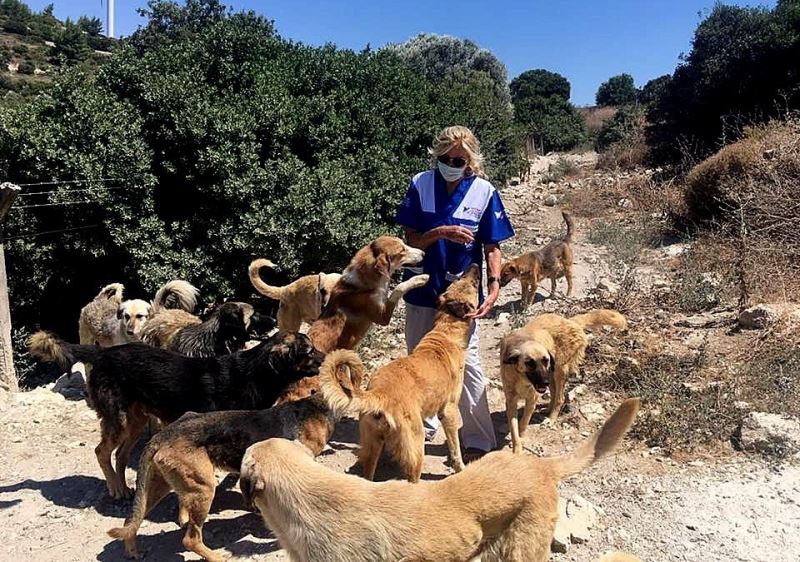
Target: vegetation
{"points": [[617, 90], [544, 113], [229, 142]]}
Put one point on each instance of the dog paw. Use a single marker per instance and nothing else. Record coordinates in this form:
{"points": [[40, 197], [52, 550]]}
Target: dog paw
{"points": [[418, 281]]}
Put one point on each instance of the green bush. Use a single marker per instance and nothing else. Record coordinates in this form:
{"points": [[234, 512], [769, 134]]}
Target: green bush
{"points": [[622, 126], [543, 111], [26, 67], [743, 69], [231, 143], [617, 90]]}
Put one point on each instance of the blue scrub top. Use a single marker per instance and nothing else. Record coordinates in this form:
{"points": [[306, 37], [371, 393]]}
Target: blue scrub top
{"points": [[475, 204]]}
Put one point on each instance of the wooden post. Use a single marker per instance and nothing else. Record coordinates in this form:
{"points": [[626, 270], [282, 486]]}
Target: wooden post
{"points": [[8, 376]]}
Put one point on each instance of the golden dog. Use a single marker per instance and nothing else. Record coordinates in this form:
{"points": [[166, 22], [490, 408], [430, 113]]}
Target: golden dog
{"points": [[300, 301], [502, 507], [552, 261], [542, 354], [428, 382]]}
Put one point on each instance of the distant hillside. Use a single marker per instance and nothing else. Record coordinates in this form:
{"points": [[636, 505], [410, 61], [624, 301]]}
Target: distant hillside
{"points": [[34, 44]]}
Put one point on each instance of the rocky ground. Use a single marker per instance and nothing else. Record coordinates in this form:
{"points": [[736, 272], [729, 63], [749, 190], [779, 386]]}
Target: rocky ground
{"points": [[713, 504]]}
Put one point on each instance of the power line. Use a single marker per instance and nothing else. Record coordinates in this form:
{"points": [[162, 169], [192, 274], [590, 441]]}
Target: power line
{"points": [[58, 182], [92, 189], [36, 234], [55, 204]]}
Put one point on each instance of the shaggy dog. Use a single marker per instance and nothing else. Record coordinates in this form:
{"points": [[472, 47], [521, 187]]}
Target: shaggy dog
{"points": [[360, 299], [552, 261], [107, 320], [131, 381], [501, 508], [184, 455], [300, 301], [401, 394], [225, 330], [543, 354]]}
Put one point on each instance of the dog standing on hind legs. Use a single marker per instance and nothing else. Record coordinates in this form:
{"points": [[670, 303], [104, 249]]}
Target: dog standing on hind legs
{"points": [[541, 355]]}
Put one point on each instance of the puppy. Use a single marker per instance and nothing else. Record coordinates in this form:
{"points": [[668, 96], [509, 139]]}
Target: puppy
{"points": [[553, 261], [541, 355], [360, 299], [184, 455], [107, 320], [401, 394], [502, 508], [300, 301], [132, 381], [225, 330]]}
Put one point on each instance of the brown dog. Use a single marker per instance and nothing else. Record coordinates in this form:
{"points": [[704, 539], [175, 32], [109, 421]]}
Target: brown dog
{"points": [[184, 455], [502, 507], [300, 301], [360, 299], [401, 394], [543, 354], [552, 261]]}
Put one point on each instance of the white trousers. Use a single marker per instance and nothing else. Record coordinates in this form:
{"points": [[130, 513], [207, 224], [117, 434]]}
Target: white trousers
{"points": [[477, 430]]}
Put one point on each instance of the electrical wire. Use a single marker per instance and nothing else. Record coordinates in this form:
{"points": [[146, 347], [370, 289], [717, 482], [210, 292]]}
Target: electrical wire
{"points": [[60, 231]]}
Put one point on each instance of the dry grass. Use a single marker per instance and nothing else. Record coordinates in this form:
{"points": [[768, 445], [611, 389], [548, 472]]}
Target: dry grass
{"points": [[596, 117]]}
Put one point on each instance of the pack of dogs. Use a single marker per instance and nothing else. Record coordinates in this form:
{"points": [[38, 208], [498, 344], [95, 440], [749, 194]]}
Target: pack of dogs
{"points": [[265, 409]]}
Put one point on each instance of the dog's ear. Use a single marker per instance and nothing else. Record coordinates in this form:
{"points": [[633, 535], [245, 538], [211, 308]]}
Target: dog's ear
{"points": [[453, 307], [119, 312], [552, 364], [511, 357], [383, 264], [345, 379]]}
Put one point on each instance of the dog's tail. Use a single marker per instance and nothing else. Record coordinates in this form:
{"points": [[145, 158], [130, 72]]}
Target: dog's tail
{"points": [[255, 278], [570, 227], [601, 317], [111, 292], [601, 443], [144, 476], [176, 294], [340, 377], [46, 346]]}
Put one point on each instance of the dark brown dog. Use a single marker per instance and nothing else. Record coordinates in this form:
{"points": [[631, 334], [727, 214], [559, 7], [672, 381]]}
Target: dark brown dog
{"points": [[553, 261], [184, 455]]}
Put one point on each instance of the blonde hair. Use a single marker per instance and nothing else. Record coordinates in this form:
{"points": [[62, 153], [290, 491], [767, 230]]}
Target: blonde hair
{"points": [[463, 137]]}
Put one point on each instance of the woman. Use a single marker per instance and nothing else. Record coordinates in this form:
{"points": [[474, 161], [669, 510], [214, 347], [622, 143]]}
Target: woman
{"points": [[456, 216]]}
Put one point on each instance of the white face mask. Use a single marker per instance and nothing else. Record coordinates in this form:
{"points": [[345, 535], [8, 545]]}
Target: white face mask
{"points": [[449, 173]]}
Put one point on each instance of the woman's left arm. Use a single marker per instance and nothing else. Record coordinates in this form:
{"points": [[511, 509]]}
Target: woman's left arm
{"points": [[494, 260]]}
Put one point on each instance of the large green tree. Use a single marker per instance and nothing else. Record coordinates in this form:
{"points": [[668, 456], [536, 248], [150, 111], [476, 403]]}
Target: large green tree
{"points": [[617, 90]]}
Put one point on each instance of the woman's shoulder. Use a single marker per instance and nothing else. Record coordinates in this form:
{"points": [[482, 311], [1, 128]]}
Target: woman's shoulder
{"points": [[424, 176]]}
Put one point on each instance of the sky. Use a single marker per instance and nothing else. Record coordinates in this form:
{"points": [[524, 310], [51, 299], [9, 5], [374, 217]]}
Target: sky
{"points": [[587, 41]]}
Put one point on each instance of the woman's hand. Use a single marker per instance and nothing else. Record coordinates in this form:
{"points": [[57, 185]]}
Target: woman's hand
{"points": [[457, 234], [488, 302]]}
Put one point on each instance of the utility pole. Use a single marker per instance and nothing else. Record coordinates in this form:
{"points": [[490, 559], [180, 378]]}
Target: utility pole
{"points": [[8, 376], [110, 18]]}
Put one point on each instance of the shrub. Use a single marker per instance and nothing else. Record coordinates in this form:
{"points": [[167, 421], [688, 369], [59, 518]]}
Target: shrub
{"points": [[617, 90], [15, 26], [543, 111], [26, 67], [652, 91], [622, 127], [20, 49]]}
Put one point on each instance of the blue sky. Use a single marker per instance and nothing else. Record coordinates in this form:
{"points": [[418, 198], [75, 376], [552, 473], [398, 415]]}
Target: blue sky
{"points": [[585, 40]]}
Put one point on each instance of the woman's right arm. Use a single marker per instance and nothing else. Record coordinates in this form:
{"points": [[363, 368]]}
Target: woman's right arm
{"points": [[422, 240]]}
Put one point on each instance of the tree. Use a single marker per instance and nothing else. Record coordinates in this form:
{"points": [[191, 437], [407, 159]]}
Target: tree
{"points": [[92, 26], [617, 90], [652, 91], [71, 44], [543, 111]]}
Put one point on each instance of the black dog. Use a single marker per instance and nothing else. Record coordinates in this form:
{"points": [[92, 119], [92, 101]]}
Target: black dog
{"points": [[127, 383], [222, 332]]}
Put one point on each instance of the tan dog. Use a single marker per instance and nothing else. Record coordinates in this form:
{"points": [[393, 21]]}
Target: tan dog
{"points": [[360, 299], [552, 261], [401, 394], [107, 320], [502, 507], [300, 301], [543, 354]]}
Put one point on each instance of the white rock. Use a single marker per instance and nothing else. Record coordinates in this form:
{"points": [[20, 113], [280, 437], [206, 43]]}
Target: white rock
{"points": [[514, 181], [41, 395], [624, 203], [502, 318], [757, 317], [695, 340], [607, 285], [770, 433], [674, 250], [551, 200]]}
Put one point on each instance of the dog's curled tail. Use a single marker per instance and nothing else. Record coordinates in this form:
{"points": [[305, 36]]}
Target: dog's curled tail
{"points": [[601, 317], [259, 284], [178, 294], [46, 346], [127, 533], [601, 443], [111, 292], [340, 377], [570, 227]]}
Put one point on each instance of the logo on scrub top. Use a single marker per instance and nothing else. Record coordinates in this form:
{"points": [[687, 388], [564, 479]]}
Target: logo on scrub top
{"points": [[475, 212]]}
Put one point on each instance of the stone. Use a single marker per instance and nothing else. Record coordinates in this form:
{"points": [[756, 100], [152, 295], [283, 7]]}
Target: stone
{"points": [[576, 518], [624, 203], [707, 320], [551, 200], [71, 385], [514, 181], [502, 318], [592, 412], [579, 390], [695, 340], [607, 286], [674, 250], [39, 396], [770, 433], [757, 317]]}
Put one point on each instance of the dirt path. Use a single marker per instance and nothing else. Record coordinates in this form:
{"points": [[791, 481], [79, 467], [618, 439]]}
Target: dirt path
{"points": [[53, 504]]}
